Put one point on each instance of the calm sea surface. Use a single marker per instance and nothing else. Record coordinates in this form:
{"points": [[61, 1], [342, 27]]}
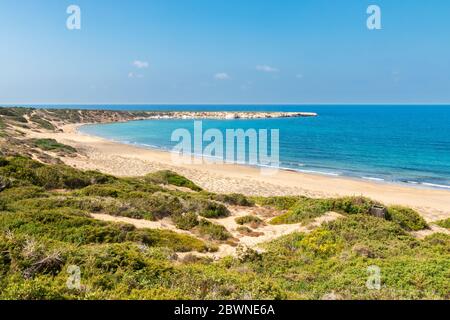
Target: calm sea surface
{"points": [[406, 144]]}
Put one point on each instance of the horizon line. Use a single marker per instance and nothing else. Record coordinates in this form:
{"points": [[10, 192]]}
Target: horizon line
{"points": [[231, 104]]}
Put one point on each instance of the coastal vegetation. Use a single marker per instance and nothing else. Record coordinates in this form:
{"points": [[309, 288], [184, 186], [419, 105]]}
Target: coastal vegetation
{"points": [[254, 221], [46, 226], [53, 145], [407, 218], [169, 177], [444, 223], [49, 227]]}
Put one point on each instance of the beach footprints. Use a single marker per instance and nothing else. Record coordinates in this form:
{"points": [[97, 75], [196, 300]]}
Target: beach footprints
{"points": [[73, 21]]}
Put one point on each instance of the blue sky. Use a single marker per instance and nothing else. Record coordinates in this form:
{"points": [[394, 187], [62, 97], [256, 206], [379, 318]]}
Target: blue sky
{"points": [[224, 51]]}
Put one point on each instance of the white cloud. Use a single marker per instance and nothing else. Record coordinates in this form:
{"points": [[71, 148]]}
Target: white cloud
{"points": [[266, 68], [140, 64], [222, 76]]}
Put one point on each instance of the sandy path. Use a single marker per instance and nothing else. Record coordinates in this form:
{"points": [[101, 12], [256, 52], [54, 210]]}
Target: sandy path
{"points": [[421, 234], [126, 160], [164, 224], [267, 232]]}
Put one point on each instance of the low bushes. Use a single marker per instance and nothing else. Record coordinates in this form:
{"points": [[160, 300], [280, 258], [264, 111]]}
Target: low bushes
{"points": [[407, 218], [43, 232], [353, 205], [248, 232], [42, 122], [304, 210], [321, 242], [112, 191], [26, 171], [279, 203], [170, 177], [207, 208], [52, 145], [74, 226], [21, 193], [379, 238], [162, 205], [251, 220], [14, 114], [235, 199], [186, 221], [168, 239], [444, 223], [336, 258], [212, 231]]}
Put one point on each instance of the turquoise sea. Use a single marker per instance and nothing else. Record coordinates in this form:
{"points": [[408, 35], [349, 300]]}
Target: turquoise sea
{"points": [[402, 144]]}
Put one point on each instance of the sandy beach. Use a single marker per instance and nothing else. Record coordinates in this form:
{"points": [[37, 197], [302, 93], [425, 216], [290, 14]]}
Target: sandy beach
{"points": [[127, 160]]}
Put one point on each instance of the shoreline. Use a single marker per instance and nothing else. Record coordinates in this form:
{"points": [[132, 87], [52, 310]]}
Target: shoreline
{"points": [[367, 178], [130, 160]]}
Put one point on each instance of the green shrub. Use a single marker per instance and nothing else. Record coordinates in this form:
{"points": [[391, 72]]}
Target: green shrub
{"points": [[186, 221], [162, 205], [21, 193], [5, 183], [360, 227], [170, 177], [72, 226], [42, 233], [151, 206], [3, 204], [379, 237], [137, 187], [254, 220], [42, 122], [166, 238], [321, 242], [279, 203], [7, 112], [444, 223], [304, 210], [38, 288], [26, 171], [2, 124], [13, 115], [407, 218], [354, 205], [96, 177], [212, 231], [235, 199], [245, 231], [52, 145], [207, 208], [57, 202], [101, 191]]}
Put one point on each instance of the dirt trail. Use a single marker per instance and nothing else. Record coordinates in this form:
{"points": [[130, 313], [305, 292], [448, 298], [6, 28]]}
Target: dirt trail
{"points": [[266, 232], [421, 234]]}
